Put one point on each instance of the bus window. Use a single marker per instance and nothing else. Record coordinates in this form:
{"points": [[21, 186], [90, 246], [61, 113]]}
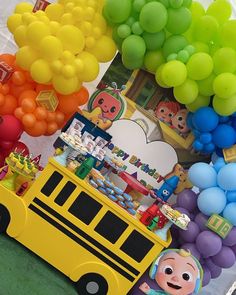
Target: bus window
{"points": [[85, 208], [51, 184], [111, 227], [137, 246], [64, 194]]}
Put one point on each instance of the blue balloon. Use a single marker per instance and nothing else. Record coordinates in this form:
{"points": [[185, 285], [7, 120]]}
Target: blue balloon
{"points": [[197, 145], [224, 136], [209, 148], [226, 177], [219, 164], [224, 119], [230, 213], [212, 200], [205, 119], [202, 175], [205, 138], [219, 152], [214, 158], [189, 120], [231, 196]]}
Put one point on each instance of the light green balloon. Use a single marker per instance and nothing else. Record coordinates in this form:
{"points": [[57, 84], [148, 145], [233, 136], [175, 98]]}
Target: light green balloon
{"points": [[224, 60], [117, 11], [130, 21], [174, 44], [224, 107], [221, 10], [190, 49], [117, 39], [199, 102], [183, 56], [153, 59], [138, 5], [206, 29], [137, 29], [172, 56], [200, 66], [187, 3], [123, 31], [228, 34], [166, 3], [153, 17], [213, 47], [154, 41], [179, 20], [132, 64], [187, 92], [225, 85], [201, 47], [174, 73], [158, 77], [197, 10], [206, 86], [176, 3]]}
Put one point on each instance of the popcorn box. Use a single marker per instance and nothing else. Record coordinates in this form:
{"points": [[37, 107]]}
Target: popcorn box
{"points": [[40, 5], [6, 72], [47, 99]]}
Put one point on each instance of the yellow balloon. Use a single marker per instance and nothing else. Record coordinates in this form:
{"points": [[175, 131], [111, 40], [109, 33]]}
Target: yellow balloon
{"points": [[90, 42], [28, 18], [79, 65], [100, 22], [25, 57], [93, 4], [69, 71], [40, 71], [23, 7], [199, 102], [197, 10], [104, 49], [158, 77], [50, 48], [86, 28], [14, 21], [54, 27], [91, 67], [78, 13], [36, 31], [20, 36], [67, 19], [71, 38], [89, 14], [67, 57], [56, 66], [65, 86]]}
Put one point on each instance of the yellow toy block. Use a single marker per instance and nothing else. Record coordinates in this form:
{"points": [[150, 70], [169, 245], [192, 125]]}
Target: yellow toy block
{"points": [[219, 225], [47, 99]]}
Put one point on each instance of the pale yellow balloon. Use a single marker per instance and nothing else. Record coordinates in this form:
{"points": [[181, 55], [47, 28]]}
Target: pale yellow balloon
{"points": [[67, 19], [23, 7], [36, 31], [158, 77], [67, 57], [89, 14], [28, 18], [104, 49], [50, 48], [71, 38], [79, 65], [99, 21], [20, 36], [69, 71], [25, 57], [54, 11], [54, 27], [65, 86], [91, 67], [56, 66], [78, 13], [44, 19], [40, 71], [93, 4], [14, 21], [86, 28], [90, 42], [69, 6]]}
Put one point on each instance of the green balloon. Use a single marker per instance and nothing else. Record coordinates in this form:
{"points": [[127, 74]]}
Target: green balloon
{"points": [[154, 41], [225, 85], [224, 60], [200, 66], [174, 44], [174, 73], [224, 107], [137, 29], [187, 3], [221, 10], [190, 49], [117, 39], [138, 5], [206, 86], [201, 47], [187, 92], [152, 60], [158, 77], [197, 10], [206, 29], [183, 56], [117, 11], [176, 3], [199, 102], [153, 17], [130, 21], [132, 64], [172, 56], [228, 34], [133, 47], [214, 46], [123, 31], [179, 20], [166, 3]]}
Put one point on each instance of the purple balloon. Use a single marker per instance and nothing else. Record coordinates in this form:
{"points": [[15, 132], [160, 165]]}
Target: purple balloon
{"points": [[206, 275], [208, 243], [234, 249], [193, 249], [191, 233], [201, 220], [230, 240], [187, 199], [214, 269], [225, 258]]}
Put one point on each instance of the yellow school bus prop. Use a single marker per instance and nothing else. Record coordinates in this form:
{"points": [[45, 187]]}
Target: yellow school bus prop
{"points": [[75, 228]]}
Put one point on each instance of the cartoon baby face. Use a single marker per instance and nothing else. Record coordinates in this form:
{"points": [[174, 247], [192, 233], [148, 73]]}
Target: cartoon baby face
{"points": [[179, 121], [176, 274], [165, 111]]}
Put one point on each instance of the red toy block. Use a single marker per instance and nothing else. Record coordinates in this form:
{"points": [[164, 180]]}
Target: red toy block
{"points": [[6, 72], [40, 5]]}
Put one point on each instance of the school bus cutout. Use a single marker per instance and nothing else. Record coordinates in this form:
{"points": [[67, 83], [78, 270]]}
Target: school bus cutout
{"points": [[79, 231]]}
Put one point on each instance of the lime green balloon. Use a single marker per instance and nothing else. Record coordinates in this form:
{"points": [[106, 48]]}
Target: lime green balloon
{"points": [[187, 92], [117, 11], [221, 10], [132, 64], [154, 41], [117, 38], [197, 10], [200, 66], [174, 73], [130, 21], [158, 77], [179, 20], [166, 3], [213, 47], [225, 85], [224, 107], [206, 86], [183, 56], [228, 34], [224, 60], [206, 29], [153, 59], [190, 49], [138, 5], [199, 102], [137, 29], [176, 3], [123, 31], [187, 3], [201, 47], [172, 56], [153, 17], [174, 44]]}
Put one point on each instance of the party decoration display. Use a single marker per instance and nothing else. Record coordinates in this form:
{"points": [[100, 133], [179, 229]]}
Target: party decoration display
{"points": [[63, 45], [219, 225]]}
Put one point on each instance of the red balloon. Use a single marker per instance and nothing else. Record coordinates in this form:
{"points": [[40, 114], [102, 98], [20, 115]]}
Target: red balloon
{"points": [[10, 128], [20, 147]]}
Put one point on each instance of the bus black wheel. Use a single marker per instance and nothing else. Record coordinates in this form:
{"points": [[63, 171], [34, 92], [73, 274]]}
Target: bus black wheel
{"points": [[92, 284], [4, 219]]}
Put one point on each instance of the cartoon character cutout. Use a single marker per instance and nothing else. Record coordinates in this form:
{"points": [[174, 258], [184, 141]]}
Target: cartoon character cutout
{"points": [[166, 110], [179, 121], [177, 272]]}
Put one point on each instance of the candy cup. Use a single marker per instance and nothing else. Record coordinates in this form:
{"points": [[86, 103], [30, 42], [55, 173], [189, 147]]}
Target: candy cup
{"points": [[200, 66], [208, 243], [221, 10], [214, 269], [225, 258], [224, 136], [199, 102], [187, 199], [187, 92], [201, 220], [230, 240], [179, 20], [229, 213], [205, 119], [174, 73], [202, 175]]}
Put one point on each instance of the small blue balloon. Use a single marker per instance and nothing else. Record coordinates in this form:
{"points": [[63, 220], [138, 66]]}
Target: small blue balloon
{"points": [[212, 200], [189, 120], [229, 213], [219, 164], [205, 138], [205, 119], [214, 158], [224, 136], [224, 119], [226, 177], [202, 175], [197, 145], [196, 133], [231, 196], [209, 148], [219, 152]]}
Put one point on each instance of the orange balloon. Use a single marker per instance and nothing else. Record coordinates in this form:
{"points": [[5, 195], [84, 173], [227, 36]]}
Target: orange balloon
{"points": [[41, 87], [39, 128], [40, 113], [18, 78], [67, 104], [28, 120], [2, 99], [82, 96], [5, 89], [51, 117], [27, 94], [17, 90], [19, 113], [28, 77], [52, 128], [8, 58], [16, 67], [28, 105], [9, 106]]}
